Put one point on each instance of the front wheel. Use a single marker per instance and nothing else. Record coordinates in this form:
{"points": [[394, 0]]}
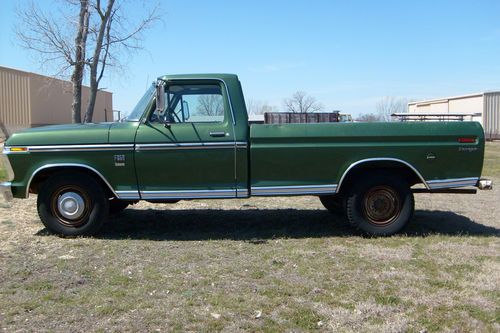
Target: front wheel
{"points": [[72, 204], [380, 205]]}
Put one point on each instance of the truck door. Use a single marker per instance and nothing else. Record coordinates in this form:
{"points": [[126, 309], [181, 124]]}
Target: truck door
{"points": [[189, 150]]}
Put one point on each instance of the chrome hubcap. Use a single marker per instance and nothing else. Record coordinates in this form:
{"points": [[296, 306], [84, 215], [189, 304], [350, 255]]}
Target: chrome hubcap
{"points": [[71, 205]]}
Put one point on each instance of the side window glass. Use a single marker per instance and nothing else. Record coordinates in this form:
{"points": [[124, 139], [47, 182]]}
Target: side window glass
{"points": [[204, 107], [192, 104]]}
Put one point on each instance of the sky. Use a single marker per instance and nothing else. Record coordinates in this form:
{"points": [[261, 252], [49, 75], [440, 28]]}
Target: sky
{"points": [[347, 54]]}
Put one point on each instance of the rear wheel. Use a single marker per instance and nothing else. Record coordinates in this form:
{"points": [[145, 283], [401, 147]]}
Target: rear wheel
{"points": [[72, 204], [380, 205]]}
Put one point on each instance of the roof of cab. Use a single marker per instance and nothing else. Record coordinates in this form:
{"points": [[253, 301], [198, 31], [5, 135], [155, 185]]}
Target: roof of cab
{"points": [[220, 76]]}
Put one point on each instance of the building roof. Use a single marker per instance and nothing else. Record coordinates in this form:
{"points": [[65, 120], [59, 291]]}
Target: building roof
{"points": [[52, 78], [446, 99]]}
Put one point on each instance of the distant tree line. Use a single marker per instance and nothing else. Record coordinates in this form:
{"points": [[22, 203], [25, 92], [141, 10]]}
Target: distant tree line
{"points": [[301, 102]]}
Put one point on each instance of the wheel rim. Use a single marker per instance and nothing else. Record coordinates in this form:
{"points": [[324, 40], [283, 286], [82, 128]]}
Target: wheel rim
{"points": [[71, 206], [381, 205]]}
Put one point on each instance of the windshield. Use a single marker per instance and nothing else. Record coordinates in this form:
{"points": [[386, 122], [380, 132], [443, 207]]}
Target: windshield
{"points": [[139, 109]]}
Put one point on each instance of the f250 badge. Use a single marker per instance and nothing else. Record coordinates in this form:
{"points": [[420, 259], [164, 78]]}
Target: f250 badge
{"points": [[119, 160]]}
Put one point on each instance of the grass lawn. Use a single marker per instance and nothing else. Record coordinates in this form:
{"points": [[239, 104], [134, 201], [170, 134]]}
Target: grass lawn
{"points": [[491, 167], [258, 265]]}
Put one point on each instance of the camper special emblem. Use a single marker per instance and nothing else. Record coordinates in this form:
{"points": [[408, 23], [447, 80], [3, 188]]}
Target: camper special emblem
{"points": [[467, 149]]}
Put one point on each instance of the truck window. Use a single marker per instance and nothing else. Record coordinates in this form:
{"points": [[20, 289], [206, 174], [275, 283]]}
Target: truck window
{"points": [[139, 109], [194, 103]]}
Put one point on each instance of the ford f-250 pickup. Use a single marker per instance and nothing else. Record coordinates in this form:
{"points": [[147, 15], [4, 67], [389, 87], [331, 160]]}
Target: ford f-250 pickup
{"points": [[189, 138]]}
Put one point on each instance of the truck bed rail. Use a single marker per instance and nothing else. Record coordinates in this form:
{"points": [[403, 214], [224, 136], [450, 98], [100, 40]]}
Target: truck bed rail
{"points": [[435, 116]]}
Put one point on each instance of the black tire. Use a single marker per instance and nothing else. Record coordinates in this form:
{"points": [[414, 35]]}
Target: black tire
{"points": [[117, 206], [333, 203], [53, 207], [380, 205]]}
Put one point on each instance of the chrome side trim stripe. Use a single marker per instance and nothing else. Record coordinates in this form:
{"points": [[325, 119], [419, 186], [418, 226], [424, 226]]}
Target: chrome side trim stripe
{"points": [[193, 194], [242, 193], [128, 195], [169, 146], [65, 148], [293, 190], [190, 145], [241, 144], [125, 147], [450, 183]]}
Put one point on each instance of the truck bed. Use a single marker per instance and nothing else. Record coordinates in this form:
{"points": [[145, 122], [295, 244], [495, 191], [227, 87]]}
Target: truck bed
{"points": [[318, 155]]}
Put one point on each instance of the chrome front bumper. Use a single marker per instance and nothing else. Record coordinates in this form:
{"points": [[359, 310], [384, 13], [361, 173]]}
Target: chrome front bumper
{"points": [[5, 191], [485, 184]]}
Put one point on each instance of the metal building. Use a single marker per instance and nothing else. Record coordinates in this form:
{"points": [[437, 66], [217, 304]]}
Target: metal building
{"points": [[30, 100], [485, 105]]}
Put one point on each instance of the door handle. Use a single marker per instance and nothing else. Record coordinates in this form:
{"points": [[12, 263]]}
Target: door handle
{"points": [[217, 134]]}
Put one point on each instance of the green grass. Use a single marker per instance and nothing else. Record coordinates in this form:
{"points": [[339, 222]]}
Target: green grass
{"points": [[491, 166]]}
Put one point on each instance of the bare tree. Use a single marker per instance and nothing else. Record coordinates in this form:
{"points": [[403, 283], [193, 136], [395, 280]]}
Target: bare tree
{"points": [[112, 33], [389, 105], [49, 36], [210, 105], [259, 107], [63, 37], [300, 102], [103, 27], [369, 117]]}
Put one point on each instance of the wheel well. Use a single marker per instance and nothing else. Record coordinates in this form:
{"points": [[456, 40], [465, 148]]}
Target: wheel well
{"points": [[41, 176], [365, 168]]}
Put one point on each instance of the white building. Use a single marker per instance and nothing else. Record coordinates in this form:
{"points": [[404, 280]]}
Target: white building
{"points": [[485, 104]]}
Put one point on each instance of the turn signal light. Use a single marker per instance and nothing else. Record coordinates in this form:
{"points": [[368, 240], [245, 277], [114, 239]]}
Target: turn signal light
{"points": [[467, 140], [18, 149]]}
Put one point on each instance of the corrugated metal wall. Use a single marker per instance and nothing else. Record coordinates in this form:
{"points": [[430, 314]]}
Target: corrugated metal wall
{"points": [[14, 98], [491, 115], [30, 100]]}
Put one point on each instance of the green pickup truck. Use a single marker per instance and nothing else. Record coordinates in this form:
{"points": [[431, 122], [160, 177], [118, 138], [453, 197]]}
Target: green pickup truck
{"points": [[189, 138]]}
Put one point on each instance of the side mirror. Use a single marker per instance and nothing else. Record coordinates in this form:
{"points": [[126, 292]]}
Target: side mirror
{"points": [[185, 106], [160, 96]]}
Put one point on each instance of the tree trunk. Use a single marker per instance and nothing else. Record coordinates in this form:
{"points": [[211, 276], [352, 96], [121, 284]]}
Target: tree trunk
{"points": [[90, 107], [79, 64], [76, 106], [94, 81]]}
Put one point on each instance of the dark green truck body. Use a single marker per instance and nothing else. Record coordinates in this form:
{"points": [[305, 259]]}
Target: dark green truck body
{"points": [[144, 159]]}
